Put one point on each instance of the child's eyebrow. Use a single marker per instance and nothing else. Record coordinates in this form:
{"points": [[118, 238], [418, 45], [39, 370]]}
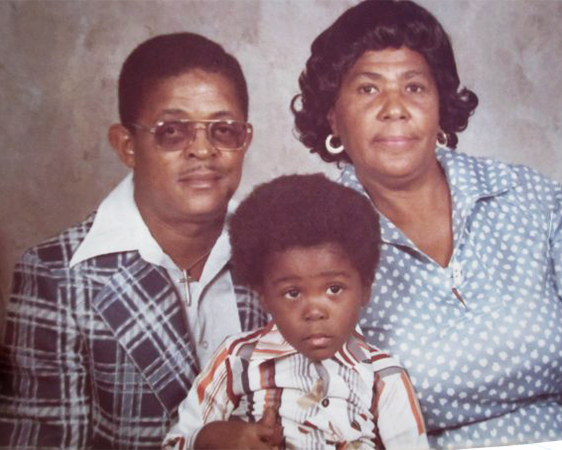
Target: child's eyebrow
{"points": [[295, 278]]}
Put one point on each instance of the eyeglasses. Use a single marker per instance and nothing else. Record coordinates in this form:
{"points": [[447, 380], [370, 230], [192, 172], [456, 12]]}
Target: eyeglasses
{"points": [[175, 135]]}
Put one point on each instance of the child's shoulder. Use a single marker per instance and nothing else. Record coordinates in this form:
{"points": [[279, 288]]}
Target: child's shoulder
{"points": [[243, 343], [375, 358]]}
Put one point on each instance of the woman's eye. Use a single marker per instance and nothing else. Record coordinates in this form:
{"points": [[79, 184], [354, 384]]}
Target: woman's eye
{"points": [[291, 294], [415, 88], [368, 89], [335, 289]]}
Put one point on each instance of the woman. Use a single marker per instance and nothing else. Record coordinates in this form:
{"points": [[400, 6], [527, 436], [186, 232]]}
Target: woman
{"points": [[468, 291]]}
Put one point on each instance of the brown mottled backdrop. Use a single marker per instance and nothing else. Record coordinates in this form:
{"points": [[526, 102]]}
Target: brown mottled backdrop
{"points": [[59, 61]]}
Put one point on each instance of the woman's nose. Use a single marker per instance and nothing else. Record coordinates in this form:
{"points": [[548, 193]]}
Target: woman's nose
{"points": [[393, 107]]}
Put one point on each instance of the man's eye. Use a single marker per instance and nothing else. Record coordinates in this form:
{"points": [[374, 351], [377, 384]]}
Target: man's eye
{"points": [[224, 129], [170, 129]]}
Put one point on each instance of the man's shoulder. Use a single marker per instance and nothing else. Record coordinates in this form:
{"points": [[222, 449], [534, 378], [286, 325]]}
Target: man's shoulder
{"points": [[250, 310], [58, 250]]}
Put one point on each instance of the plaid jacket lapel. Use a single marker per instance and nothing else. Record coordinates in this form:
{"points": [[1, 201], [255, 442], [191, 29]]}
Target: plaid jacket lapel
{"points": [[143, 311]]}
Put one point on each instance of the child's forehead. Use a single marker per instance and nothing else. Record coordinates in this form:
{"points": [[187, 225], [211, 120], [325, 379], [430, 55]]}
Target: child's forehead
{"points": [[308, 260], [299, 250]]}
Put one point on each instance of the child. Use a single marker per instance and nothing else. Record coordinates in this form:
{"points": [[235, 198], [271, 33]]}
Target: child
{"points": [[310, 248]]}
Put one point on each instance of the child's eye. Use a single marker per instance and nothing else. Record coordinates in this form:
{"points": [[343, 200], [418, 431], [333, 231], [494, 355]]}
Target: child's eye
{"points": [[335, 289], [291, 294]]}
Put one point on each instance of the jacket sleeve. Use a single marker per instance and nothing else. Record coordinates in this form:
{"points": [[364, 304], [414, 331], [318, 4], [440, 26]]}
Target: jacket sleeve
{"points": [[399, 417], [44, 388], [210, 399]]}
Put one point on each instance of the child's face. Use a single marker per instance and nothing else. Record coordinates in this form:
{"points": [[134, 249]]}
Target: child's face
{"points": [[314, 295]]}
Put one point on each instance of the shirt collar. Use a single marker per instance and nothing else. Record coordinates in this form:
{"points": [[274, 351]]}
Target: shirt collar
{"points": [[469, 179], [475, 178], [118, 227], [272, 345]]}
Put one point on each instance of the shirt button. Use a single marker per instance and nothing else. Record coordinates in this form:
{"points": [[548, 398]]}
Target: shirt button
{"points": [[204, 344], [325, 403], [458, 275]]}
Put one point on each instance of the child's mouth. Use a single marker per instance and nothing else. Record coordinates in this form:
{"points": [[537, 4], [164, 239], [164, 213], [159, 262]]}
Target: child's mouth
{"points": [[318, 340]]}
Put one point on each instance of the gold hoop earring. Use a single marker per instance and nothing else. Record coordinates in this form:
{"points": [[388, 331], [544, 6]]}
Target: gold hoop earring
{"points": [[330, 148], [442, 139]]}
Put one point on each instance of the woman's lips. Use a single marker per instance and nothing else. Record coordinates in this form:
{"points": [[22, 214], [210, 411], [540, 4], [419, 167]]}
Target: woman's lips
{"points": [[395, 140]]}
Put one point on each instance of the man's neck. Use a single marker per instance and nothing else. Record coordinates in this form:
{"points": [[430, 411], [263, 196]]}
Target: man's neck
{"points": [[186, 242]]}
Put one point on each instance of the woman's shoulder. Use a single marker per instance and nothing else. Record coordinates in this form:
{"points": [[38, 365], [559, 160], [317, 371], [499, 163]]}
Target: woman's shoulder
{"points": [[498, 177]]}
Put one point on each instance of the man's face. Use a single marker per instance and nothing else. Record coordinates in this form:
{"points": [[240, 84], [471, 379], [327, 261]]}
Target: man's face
{"points": [[196, 183]]}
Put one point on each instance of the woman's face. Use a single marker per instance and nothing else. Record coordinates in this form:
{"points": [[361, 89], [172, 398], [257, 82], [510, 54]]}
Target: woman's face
{"points": [[387, 116]]}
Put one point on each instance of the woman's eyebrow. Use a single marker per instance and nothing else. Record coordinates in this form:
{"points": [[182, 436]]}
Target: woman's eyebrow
{"points": [[376, 76], [409, 74]]}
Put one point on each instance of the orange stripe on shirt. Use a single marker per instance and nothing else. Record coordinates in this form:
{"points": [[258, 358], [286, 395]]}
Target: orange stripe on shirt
{"points": [[202, 386], [416, 412]]}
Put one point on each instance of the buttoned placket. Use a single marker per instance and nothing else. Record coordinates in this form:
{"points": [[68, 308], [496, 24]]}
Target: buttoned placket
{"points": [[189, 289]]}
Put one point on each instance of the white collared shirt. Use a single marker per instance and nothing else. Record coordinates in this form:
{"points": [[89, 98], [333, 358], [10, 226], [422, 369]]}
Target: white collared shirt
{"points": [[119, 227]]}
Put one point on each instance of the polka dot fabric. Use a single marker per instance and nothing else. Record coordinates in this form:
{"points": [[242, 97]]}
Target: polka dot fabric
{"points": [[481, 338]]}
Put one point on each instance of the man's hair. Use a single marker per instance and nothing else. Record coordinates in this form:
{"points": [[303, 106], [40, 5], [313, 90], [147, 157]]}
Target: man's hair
{"points": [[377, 25], [303, 211], [171, 55]]}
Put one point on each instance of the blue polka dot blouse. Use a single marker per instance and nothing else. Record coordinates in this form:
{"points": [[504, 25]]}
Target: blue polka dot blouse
{"points": [[487, 369]]}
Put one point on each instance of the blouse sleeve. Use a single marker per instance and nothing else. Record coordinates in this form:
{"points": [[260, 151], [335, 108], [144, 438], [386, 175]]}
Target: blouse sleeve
{"points": [[555, 239]]}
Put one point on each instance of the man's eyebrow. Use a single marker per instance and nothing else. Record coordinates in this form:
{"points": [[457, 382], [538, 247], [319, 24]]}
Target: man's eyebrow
{"points": [[180, 112]]}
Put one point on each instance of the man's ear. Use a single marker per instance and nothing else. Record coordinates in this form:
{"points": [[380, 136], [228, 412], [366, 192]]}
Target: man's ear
{"points": [[122, 142], [331, 116], [249, 141]]}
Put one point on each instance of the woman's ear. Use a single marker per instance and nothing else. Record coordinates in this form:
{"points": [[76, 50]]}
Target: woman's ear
{"points": [[121, 140], [331, 116]]}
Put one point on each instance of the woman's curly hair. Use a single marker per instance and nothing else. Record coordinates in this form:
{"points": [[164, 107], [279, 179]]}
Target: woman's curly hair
{"points": [[302, 211], [377, 25]]}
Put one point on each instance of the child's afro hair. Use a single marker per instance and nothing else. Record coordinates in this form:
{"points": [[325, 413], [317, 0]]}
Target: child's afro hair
{"points": [[303, 211]]}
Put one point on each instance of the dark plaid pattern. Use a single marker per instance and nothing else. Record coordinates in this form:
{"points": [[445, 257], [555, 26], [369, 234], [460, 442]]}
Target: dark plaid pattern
{"points": [[97, 355]]}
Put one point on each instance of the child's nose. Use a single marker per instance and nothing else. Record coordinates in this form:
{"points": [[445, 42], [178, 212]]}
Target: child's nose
{"points": [[315, 310]]}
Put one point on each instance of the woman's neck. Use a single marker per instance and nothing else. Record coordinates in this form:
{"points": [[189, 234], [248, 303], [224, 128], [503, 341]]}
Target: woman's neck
{"points": [[422, 210]]}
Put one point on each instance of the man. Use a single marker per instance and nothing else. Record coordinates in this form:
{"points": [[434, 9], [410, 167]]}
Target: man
{"points": [[109, 323]]}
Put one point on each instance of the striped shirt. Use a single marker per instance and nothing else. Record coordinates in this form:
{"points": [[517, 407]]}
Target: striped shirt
{"points": [[360, 396]]}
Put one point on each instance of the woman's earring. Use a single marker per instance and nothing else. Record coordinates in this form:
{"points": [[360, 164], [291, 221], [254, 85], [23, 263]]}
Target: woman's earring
{"points": [[442, 139], [330, 148]]}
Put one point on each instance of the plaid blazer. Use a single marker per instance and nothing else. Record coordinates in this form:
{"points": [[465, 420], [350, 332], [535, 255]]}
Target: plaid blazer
{"points": [[97, 355]]}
